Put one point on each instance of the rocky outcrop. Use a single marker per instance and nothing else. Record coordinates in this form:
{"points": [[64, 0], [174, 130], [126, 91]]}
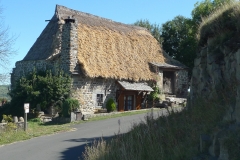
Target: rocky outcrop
{"points": [[216, 72], [216, 76]]}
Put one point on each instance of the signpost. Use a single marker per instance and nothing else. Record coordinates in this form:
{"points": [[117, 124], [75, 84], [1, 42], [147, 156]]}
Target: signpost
{"points": [[26, 110]]}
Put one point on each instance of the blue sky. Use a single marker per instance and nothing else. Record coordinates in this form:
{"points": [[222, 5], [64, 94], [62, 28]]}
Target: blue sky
{"points": [[26, 18]]}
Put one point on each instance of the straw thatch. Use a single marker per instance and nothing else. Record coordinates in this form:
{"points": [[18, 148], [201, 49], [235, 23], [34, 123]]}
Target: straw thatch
{"points": [[106, 48], [110, 49], [113, 54]]}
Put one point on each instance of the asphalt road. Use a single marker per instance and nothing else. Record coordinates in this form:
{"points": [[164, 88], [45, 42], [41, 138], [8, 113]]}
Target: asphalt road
{"points": [[69, 145]]}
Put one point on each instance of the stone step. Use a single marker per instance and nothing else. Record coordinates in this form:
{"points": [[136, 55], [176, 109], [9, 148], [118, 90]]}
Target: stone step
{"points": [[170, 95]]}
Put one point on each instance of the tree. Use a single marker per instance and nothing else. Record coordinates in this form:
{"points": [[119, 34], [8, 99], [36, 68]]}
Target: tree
{"points": [[178, 36], [179, 40], [44, 88], [154, 29], [205, 8], [6, 48]]}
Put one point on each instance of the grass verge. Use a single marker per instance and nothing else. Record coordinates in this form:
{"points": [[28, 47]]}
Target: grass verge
{"points": [[37, 128]]}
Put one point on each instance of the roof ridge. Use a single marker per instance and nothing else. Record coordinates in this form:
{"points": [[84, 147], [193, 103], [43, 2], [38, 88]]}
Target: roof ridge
{"points": [[60, 8]]}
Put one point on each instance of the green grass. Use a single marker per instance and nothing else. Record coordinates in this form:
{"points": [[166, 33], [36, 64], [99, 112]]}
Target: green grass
{"points": [[37, 128], [119, 115]]}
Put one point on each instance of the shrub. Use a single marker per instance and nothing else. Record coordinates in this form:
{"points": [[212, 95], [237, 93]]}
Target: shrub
{"points": [[154, 95], [7, 118], [43, 87], [69, 106], [111, 105], [11, 126]]}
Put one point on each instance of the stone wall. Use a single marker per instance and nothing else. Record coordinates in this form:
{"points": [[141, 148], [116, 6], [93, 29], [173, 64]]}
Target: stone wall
{"points": [[4, 126], [160, 79], [86, 89], [61, 52], [24, 67], [216, 75], [69, 47], [181, 82]]}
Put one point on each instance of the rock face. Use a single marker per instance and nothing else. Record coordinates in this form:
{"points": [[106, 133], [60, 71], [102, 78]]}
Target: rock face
{"points": [[216, 73]]}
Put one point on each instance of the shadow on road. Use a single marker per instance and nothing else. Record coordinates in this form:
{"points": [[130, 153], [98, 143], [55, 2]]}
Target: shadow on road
{"points": [[75, 153]]}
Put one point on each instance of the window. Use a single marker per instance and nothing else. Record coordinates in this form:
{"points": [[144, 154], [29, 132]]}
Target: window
{"points": [[99, 99], [128, 102]]}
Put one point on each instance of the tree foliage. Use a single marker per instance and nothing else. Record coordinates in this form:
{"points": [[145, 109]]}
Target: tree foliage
{"points": [[44, 88], [178, 36], [154, 29], [205, 8], [179, 40]]}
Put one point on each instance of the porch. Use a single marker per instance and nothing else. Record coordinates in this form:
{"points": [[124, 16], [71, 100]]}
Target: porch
{"points": [[131, 95]]}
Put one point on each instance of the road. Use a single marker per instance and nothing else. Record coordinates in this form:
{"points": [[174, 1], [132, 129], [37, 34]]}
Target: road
{"points": [[69, 145]]}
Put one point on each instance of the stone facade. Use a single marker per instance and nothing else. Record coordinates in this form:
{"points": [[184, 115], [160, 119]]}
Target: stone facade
{"points": [[180, 82], [64, 54], [86, 90]]}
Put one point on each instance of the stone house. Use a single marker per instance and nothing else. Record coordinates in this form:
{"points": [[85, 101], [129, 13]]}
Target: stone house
{"points": [[106, 59]]}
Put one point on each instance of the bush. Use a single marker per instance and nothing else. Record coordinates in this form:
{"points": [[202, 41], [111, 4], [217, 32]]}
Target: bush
{"points": [[7, 118], [46, 88], [69, 106], [154, 95], [111, 105]]}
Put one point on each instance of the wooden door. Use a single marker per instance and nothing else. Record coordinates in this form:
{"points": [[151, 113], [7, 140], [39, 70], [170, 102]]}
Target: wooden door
{"points": [[139, 101], [121, 103], [168, 82], [128, 102]]}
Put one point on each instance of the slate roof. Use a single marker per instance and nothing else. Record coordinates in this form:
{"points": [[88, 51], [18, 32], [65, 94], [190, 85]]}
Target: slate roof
{"points": [[167, 66], [135, 86]]}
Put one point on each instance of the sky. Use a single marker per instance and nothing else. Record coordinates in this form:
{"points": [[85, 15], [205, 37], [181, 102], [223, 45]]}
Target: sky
{"points": [[26, 18]]}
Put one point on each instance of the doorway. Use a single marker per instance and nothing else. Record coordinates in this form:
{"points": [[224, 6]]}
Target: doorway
{"points": [[128, 102], [168, 82]]}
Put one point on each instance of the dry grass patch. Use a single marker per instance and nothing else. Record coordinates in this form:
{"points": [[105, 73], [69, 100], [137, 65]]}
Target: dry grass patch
{"points": [[169, 137], [221, 25]]}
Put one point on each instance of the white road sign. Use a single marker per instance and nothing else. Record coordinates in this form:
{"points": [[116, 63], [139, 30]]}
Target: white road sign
{"points": [[26, 107]]}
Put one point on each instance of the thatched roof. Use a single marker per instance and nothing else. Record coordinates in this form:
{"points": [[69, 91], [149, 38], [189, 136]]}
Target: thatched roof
{"points": [[106, 48]]}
